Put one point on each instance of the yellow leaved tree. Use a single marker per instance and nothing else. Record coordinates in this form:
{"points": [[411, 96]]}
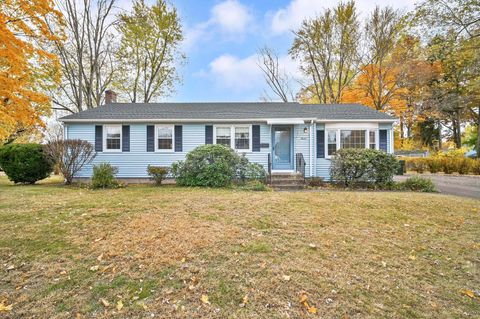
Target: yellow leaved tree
{"points": [[26, 68]]}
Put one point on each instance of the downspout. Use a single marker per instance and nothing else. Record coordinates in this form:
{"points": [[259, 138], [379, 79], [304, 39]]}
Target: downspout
{"points": [[310, 141]]}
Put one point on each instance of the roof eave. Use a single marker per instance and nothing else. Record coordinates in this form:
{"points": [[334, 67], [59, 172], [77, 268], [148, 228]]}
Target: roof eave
{"points": [[184, 120]]}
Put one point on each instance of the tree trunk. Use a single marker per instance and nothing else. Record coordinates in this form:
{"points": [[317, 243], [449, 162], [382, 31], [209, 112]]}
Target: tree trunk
{"points": [[478, 134]]}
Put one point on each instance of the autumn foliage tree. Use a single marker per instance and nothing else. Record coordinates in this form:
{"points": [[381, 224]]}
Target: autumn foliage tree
{"points": [[26, 69]]}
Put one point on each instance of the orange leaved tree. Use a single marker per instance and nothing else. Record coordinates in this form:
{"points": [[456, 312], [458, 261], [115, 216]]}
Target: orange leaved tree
{"points": [[26, 69]]}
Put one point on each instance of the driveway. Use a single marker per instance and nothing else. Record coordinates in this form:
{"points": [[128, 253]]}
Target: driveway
{"points": [[460, 185]]}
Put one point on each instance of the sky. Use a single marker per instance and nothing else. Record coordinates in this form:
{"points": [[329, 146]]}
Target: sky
{"points": [[223, 36]]}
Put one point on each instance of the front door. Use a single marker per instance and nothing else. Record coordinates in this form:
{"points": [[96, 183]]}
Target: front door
{"points": [[282, 148]]}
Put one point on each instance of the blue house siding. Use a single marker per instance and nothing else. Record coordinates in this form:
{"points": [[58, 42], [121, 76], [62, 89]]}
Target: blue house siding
{"points": [[134, 164]]}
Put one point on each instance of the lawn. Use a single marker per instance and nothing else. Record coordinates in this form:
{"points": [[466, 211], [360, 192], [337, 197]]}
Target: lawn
{"points": [[174, 252]]}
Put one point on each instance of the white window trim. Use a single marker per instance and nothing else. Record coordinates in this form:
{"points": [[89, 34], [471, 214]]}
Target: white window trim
{"points": [[337, 135], [166, 150], [105, 138], [232, 136]]}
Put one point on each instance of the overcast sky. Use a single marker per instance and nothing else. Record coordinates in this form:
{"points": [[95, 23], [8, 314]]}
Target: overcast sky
{"points": [[221, 39]]}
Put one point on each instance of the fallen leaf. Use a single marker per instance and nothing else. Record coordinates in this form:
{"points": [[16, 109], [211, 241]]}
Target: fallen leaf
{"points": [[286, 278], [313, 246], [312, 309], [204, 299], [105, 302], [94, 268], [303, 297], [11, 267], [191, 287], [5, 308], [304, 302], [119, 305], [99, 258], [468, 292], [412, 257], [245, 299], [183, 260]]}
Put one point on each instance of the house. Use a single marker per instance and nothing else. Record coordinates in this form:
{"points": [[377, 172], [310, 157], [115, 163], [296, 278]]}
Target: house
{"points": [[283, 137]]}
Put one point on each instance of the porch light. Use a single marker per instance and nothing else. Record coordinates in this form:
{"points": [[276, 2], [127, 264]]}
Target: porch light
{"points": [[305, 130]]}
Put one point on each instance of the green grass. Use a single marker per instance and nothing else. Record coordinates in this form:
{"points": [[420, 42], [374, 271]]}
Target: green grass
{"points": [[159, 249]]}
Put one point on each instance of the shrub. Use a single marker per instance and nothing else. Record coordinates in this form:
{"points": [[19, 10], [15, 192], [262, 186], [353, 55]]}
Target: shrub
{"points": [[351, 166], [417, 164], [70, 156], [464, 165], [476, 167], [418, 184], [157, 173], [104, 176], [315, 181], [207, 165], [449, 165], [25, 163], [434, 164]]}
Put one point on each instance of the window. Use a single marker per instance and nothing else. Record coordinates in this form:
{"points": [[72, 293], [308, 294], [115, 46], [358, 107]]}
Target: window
{"points": [[164, 137], [372, 139], [236, 136], [113, 137], [242, 137], [332, 142], [223, 135], [352, 139]]}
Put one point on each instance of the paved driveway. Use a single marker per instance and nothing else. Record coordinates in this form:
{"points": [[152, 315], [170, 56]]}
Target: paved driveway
{"points": [[466, 186]]}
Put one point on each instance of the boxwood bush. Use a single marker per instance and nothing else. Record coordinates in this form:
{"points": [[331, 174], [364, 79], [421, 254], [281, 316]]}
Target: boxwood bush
{"points": [[214, 166], [353, 166], [25, 163], [104, 176]]}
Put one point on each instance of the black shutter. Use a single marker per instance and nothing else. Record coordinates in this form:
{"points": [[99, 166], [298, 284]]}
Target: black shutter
{"points": [[98, 138], [320, 144], [208, 134], [178, 138], [255, 138], [150, 138], [383, 140], [125, 138]]}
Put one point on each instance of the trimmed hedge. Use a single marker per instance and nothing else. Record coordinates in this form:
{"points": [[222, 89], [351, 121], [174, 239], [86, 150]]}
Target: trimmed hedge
{"points": [[25, 163], [443, 164]]}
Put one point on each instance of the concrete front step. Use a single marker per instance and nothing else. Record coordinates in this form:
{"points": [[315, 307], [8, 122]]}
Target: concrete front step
{"points": [[286, 175], [286, 181]]}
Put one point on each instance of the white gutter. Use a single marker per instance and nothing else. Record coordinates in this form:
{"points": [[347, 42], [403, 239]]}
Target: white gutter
{"points": [[183, 120]]}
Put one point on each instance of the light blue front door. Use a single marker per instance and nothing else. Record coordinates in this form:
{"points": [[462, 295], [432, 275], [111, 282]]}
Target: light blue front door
{"points": [[282, 147]]}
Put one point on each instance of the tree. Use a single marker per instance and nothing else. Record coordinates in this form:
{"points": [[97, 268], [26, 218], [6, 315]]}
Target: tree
{"points": [[328, 49], [70, 155], [149, 51], [277, 79], [26, 69], [86, 55]]}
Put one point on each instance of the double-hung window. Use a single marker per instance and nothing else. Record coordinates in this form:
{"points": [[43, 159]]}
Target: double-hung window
{"points": [[164, 137], [238, 137], [242, 137], [113, 138], [372, 140], [223, 135], [331, 142]]}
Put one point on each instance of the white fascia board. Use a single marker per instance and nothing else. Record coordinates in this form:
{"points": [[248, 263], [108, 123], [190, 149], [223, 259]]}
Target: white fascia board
{"points": [[287, 121]]}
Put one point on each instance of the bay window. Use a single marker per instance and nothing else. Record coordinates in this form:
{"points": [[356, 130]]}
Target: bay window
{"points": [[337, 137]]}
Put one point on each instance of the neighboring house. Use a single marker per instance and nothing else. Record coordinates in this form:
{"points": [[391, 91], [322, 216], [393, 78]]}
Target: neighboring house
{"points": [[282, 137]]}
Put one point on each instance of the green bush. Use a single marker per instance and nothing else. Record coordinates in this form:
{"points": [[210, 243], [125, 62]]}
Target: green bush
{"points": [[464, 165], [104, 176], [247, 170], [476, 167], [25, 163], [157, 173], [353, 166], [207, 165], [417, 184]]}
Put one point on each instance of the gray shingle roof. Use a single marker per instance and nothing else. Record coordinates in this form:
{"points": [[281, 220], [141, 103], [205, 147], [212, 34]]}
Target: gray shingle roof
{"points": [[227, 111]]}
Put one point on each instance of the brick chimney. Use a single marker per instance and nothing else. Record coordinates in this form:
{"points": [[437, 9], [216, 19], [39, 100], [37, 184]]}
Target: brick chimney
{"points": [[110, 97]]}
